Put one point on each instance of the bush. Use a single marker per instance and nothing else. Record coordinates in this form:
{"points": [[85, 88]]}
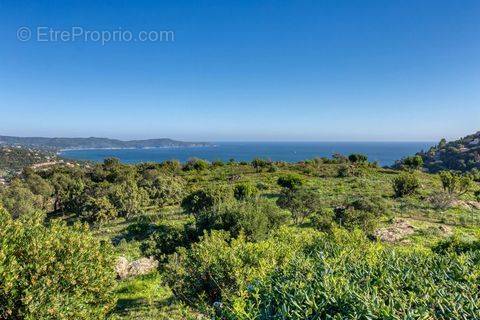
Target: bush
{"points": [[54, 272], [290, 182], [165, 191], [99, 210], [300, 202], [344, 171], [196, 164], [165, 239], [456, 245], [405, 184], [259, 164], [454, 183], [413, 162], [350, 218], [207, 199], [255, 218], [323, 220], [244, 191], [357, 158], [348, 277], [217, 267]]}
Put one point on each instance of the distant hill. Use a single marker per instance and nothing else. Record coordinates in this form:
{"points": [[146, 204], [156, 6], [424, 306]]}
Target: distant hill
{"points": [[462, 155], [92, 143]]}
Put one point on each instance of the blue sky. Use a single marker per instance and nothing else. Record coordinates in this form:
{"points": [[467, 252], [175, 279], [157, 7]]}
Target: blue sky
{"points": [[245, 70]]}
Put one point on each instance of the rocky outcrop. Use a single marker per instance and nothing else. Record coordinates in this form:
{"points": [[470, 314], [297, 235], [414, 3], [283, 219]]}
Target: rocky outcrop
{"points": [[126, 269]]}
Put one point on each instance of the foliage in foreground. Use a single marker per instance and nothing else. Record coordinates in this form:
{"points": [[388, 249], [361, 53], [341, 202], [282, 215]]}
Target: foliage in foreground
{"points": [[54, 272], [350, 278]]}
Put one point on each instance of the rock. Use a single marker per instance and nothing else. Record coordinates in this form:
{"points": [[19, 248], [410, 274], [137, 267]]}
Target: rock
{"points": [[395, 232], [125, 269]]}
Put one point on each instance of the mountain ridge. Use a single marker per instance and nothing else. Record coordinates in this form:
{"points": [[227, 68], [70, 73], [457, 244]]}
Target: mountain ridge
{"points": [[58, 143]]}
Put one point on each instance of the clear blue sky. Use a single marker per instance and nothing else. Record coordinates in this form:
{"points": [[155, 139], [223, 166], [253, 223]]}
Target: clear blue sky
{"points": [[245, 70]]}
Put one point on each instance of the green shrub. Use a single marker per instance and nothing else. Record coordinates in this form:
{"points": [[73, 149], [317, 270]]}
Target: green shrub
{"points": [[413, 162], [348, 277], [344, 171], [244, 191], [405, 184], [357, 158], [454, 183], [290, 182], [217, 267], [457, 245], [255, 218], [206, 199], [350, 218], [165, 239], [196, 164], [323, 220], [300, 202], [54, 272], [259, 164], [99, 210]]}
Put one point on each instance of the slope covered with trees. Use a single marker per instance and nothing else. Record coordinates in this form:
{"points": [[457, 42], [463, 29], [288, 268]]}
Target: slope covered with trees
{"points": [[460, 155]]}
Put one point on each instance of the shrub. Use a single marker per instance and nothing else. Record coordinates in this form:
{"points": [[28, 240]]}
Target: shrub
{"points": [[348, 277], [413, 162], [196, 164], [405, 184], [217, 267], [165, 239], [165, 191], [477, 195], [357, 158], [259, 164], [99, 210], [300, 202], [457, 245], [323, 220], [454, 183], [207, 199], [350, 218], [244, 191], [344, 171], [54, 272], [255, 218], [290, 182]]}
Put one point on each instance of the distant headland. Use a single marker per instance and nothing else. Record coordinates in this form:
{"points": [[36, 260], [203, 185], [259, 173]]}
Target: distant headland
{"points": [[94, 143]]}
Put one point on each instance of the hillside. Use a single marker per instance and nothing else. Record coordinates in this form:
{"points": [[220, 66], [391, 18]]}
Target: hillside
{"points": [[228, 240], [462, 155], [92, 143]]}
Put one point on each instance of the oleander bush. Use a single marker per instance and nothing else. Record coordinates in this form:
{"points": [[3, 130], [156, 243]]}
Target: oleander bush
{"points": [[53, 272]]}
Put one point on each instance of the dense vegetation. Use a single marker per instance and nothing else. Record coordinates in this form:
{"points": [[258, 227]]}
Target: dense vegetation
{"points": [[459, 155], [325, 238], [14, 159]]}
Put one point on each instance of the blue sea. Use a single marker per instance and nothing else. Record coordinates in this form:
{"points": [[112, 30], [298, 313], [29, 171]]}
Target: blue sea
{"points": [[384, 152]]}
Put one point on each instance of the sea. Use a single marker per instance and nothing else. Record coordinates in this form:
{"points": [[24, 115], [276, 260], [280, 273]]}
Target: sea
{"points": [[385, 153]]}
